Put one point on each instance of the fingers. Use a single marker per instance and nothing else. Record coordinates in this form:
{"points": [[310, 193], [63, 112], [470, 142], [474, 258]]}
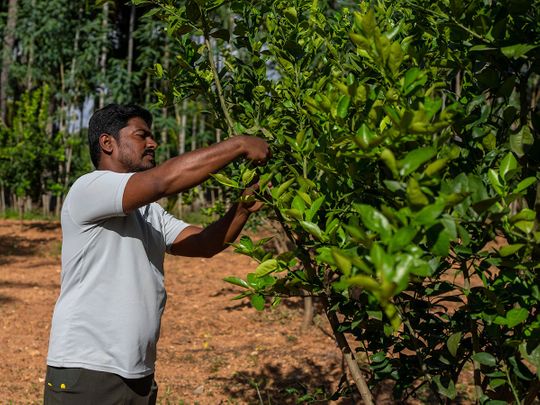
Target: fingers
{"points": [[258, 151]]}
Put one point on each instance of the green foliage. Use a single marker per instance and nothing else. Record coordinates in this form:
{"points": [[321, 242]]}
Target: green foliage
{"points": [[405, 142]]}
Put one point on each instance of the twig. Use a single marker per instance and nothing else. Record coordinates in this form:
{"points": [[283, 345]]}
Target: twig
{"points": [[228, 119]]}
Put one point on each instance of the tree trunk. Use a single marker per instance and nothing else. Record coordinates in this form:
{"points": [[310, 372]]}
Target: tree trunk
{"points": [[103, 57], [2, 200], [72, 102], [308, 313], [46, 204], [349, 356], [58, 205], [9, 41], [181, 122], [30, 62], [164, 111], [199, 201], [130, 44]]}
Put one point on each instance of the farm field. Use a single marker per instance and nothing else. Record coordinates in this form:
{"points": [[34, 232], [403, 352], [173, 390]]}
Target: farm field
{"points": [[212, 350]]}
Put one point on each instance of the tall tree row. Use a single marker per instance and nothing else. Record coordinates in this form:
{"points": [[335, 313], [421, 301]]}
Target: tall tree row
{"points": [[61, 60]]}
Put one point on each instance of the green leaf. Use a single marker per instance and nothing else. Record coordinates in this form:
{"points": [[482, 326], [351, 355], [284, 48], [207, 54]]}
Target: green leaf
{"points": [[342, 261], [525, 214], [365, 282], [524, 184], [313, 229], [421, 268], [415, 158], [387, 156], [429, 214], [392, 314], [343, 106], [159, 70], [508, 164], [435, 167], [236, 281], [415, 195], [479, 48], [449, 392], [257, 300], [291, 14], [292, 213], [248, 175], [402, 238], [277, 192], [222, 179], [485, 359], [453, 343], [395, 57], [520, 369], [441, 246], [266, 267], [521, 141], [517, 51], [516, 316], [364, 136], [509, 250], [414, 78], [310, 213], [495, 181], [497, 382], [374, 220]]}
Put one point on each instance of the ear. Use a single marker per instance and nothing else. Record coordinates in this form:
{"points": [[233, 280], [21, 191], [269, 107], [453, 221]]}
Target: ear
{"points": [[106, 143]]}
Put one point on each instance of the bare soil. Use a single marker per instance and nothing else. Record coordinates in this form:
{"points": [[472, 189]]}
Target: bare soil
{"points": [[212, 350]]}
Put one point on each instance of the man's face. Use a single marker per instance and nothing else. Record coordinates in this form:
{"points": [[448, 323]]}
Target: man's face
{"points": [[136, 146]]}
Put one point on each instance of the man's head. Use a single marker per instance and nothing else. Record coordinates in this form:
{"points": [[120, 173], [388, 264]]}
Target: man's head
{"points": [[122, 133]]}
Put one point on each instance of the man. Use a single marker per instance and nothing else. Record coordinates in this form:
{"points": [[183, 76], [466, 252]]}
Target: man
{"points": [[106, 321]]}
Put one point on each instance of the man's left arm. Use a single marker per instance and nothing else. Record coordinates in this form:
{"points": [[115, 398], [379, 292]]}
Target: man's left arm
{"points": [[195, 241]]}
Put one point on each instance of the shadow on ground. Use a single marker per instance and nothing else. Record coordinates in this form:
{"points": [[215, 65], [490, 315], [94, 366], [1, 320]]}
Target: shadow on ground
{"points": [[42, 226], [6, 299], [14, 245], [271, 385]]}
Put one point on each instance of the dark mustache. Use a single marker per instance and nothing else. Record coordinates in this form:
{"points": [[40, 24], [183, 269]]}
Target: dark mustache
{"points": [[149, 152]]}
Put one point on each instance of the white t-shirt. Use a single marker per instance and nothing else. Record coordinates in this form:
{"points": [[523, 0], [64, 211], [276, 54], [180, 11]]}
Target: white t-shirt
{"points": [[108, 314]]}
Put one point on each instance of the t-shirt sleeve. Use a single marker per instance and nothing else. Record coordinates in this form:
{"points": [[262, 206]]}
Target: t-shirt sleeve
{"points": [[172, 227], [97, 196]]}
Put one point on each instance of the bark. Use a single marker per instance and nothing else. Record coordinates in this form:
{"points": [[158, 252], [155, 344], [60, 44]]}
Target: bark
{"points": [[8, 43]]}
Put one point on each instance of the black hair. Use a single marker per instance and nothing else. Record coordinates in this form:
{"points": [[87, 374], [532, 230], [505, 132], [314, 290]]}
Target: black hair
{"points": [[110, 120]]}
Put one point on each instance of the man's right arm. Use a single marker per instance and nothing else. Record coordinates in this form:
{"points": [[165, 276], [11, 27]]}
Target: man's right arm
{"points": [[190, 169]]}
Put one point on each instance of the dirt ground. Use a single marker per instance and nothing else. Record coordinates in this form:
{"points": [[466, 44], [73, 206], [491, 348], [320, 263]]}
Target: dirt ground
{"points": [[212, 350]]}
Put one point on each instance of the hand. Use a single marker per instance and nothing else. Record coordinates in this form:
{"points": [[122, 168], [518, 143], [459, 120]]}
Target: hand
{"points": [[256, 149], [248, 201]]}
